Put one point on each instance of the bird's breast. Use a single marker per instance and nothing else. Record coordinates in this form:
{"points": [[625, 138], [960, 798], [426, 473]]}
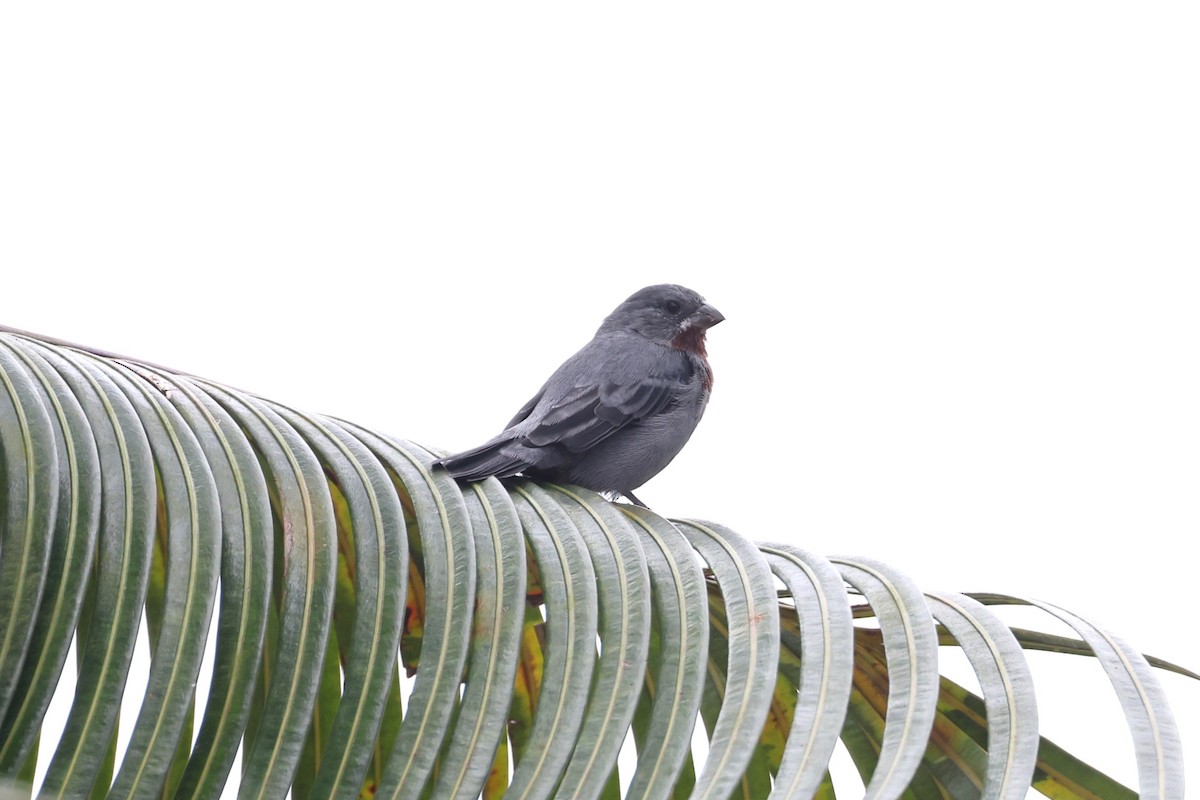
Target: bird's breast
{"points": [[691, 341]]}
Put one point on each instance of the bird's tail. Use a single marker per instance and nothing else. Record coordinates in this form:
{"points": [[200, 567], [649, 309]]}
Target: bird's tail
{"points": [[494, 459]]}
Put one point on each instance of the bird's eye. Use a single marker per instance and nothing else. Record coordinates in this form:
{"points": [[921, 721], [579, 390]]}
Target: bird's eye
{"points": [[672, 306]]}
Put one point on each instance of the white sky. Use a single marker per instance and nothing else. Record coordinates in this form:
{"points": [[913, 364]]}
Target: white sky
{"points": [[956, 246]]}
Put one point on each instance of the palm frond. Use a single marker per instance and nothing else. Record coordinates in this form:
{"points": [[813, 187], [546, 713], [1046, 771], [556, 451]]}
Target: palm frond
{"points": [[540, 625]]}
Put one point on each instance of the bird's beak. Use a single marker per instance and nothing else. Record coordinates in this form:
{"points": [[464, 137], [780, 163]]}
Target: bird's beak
{"points": [[705, 317]]}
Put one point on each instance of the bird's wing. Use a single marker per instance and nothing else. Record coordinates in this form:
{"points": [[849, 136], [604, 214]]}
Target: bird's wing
{"points": [[589, 413], [526, 409]]}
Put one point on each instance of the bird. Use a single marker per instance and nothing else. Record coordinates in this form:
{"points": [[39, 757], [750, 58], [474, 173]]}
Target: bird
{"points": [[613, 415]]}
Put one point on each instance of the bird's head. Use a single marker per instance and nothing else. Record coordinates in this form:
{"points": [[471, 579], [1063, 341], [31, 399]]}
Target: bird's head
{"points": [[668, 314]]}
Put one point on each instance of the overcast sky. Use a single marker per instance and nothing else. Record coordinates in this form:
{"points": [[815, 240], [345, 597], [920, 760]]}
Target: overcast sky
{"points": [[957, 249]]}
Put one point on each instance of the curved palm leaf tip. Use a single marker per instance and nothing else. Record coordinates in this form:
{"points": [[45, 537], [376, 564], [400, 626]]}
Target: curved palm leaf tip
{"points": [[618, 411], [320, 529]]}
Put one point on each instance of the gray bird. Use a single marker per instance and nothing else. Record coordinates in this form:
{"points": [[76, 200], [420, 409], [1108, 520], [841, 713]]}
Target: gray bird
{"points": [[615, 413]]}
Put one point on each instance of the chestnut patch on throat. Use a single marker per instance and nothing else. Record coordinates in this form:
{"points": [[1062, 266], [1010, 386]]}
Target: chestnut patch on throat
{"points": [[691, 340]]}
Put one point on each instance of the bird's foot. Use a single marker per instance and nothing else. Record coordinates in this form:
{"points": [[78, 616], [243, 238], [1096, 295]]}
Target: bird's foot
{"points": [[615, 496]]}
